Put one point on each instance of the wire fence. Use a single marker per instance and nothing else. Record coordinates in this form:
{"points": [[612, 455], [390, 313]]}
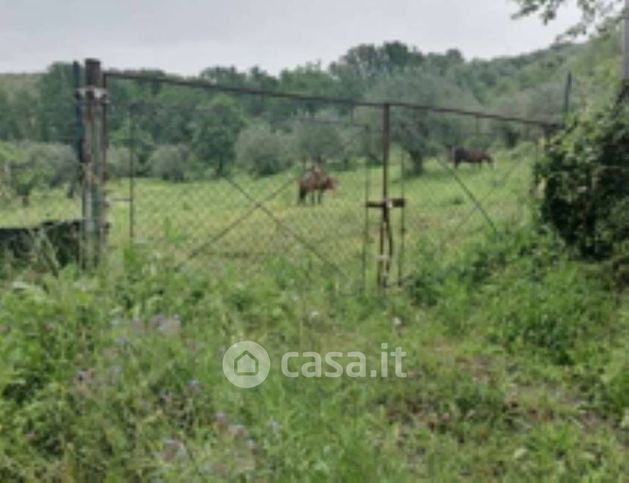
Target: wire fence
{"points": [[463, 190], [307, 208], [354, 188]]}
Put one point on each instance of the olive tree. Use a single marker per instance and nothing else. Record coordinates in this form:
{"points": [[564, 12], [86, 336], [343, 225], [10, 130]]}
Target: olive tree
{"points": [[172, 163], [318, 137], [27, 166], [215, 132], [420, 133], [262, 151]]}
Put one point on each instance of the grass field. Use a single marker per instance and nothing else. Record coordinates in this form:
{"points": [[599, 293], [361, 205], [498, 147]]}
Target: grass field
{"points": [[516, 361], [216, 224]]}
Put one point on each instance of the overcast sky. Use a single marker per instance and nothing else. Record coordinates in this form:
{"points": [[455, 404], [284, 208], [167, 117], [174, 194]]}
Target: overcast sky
{"points": [[185, 36]]}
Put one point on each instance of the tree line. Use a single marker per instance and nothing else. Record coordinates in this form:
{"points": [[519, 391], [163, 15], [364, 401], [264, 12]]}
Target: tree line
{"points": [[178, 133]]}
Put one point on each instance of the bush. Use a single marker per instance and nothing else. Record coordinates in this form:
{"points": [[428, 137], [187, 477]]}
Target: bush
{"points": [[57, 162], [584, 177], [172, 163], [119, 162], [262, 151], [320, 138], [27, 166]]}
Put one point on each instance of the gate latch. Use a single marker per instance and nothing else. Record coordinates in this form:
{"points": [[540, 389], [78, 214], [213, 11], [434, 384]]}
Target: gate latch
{"points": [[388, 203]]}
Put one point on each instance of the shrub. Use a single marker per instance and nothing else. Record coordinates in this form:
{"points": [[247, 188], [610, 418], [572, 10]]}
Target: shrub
{"points": [[57, 162], [262, 151], [119, 162], [584, 177], [171, 163], [27, 166]]}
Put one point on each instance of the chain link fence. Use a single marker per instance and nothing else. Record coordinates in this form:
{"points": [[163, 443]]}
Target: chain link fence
{"points": [[354, 188]]}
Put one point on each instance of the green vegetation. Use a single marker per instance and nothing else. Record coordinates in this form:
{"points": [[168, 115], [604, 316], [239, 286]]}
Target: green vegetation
{"points": [[585, 179], [181, 219], [595, 14], [26, 166], [263, 151], [40, 107], [517, 364], [517, 368]]}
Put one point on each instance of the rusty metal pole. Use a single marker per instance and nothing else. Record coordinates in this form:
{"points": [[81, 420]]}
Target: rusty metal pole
{"points": [[385, 224], [93, 97], [132, 154], [625, 73], [625, 76]]}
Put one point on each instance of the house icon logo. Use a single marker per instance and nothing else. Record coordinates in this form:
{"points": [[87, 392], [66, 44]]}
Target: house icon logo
{"points": [[246, 364]]}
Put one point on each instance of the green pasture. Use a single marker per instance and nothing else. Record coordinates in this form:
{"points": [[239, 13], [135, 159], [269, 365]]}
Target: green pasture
{"points": [[244, 221], [515, 367]]}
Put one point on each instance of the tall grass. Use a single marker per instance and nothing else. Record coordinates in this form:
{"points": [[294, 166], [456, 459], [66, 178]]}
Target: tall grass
{"points": [[516, 366]]}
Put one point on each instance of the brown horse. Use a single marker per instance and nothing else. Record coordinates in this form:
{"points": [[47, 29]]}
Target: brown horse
{"points": [[471, 156], [315, 182]]}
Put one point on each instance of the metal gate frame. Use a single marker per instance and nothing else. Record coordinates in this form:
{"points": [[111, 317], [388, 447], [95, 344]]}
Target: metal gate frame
{"points": [[95, 147]]}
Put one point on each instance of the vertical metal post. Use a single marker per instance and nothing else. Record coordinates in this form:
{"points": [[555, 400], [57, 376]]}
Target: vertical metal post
{"points": [[93, 98], [78, 176], [402, 250], [625, 76], [366, 237], [385, 225], [132, 153], [386, 148]]}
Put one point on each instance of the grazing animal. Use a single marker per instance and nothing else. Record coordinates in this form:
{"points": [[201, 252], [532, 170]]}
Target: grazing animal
{"points": [[315, 182], [471, 156]]}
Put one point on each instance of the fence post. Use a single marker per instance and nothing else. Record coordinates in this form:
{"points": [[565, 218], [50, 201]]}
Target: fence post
{"points": [[92, 98], [384, 262], [624, 94]]}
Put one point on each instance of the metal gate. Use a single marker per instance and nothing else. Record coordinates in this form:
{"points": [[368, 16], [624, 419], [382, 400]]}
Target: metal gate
{"points": [[387, 205]]}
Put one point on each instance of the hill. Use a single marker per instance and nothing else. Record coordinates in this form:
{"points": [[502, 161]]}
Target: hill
{"points": [[530, 85]]}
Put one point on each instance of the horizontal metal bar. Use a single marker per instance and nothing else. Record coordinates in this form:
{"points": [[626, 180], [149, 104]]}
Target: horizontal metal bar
{"points": [[390, 203], [201, 84], [240, 90], [476, 114]]}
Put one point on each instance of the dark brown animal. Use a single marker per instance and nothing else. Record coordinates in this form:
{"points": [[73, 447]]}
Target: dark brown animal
{"points": [[471, 156], [315, 182]]}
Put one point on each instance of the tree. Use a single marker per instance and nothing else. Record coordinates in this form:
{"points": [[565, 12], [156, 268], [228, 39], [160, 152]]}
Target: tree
{"points": [[172, 163], [6, 118], [22, 172], [318, 139], [598, 14], [421, 133], [119, 162], [56, 162], [215, 132], [310, 79], [362, 66], [9, 155], [262, 151], [132, 137], [56, 104], [24, 107]]}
